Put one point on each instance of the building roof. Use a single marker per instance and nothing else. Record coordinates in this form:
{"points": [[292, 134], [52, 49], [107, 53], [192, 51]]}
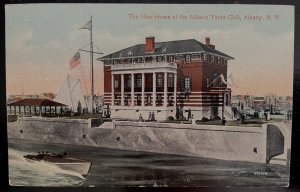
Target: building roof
{"points": [[35, 102], [171, 47]]}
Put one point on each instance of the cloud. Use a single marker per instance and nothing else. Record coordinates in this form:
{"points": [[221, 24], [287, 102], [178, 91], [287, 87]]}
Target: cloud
{"points": [[29, 62], [259, 56]]}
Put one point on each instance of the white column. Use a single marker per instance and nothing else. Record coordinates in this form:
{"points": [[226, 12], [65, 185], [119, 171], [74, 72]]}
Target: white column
{"points": [[154, 90], [143, 89], [122, 89], [175, 89], [132, 89], [112, 90], [165, 89]]}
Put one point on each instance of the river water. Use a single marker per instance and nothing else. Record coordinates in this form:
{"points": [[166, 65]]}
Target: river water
{"points": [[119, 168]]}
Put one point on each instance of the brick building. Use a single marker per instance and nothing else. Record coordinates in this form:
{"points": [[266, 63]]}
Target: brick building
{"points": [[160, 76]]}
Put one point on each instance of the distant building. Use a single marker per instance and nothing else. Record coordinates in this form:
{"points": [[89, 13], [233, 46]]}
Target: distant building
{"points": [[259, 102], [14, 98], [160, 76]]}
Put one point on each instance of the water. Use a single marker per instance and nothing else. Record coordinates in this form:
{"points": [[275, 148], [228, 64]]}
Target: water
{"points": [[119, 168]]}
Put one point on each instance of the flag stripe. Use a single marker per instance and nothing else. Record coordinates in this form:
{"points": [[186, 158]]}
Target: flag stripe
{"points": [[75, 61]]}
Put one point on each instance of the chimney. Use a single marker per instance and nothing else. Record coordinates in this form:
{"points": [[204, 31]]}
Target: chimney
{"points": [[207, 43], [150, 45]]}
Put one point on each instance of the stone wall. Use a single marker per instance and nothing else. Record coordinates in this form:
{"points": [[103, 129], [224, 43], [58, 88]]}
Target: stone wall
{"points": [[208, 141]]}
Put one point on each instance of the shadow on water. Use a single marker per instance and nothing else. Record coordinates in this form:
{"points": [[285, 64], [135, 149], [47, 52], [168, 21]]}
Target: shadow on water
{"points": [[121, 168]]}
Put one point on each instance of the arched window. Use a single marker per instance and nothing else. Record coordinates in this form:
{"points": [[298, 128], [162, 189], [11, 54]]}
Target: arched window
{"points": [[159, 81], [139, 81]]}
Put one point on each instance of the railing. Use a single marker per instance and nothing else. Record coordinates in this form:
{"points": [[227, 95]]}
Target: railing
{"points": [[144, 65], [228, 115]]}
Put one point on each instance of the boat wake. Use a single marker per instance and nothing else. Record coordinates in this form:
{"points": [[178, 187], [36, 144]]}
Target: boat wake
{"points": [[38, 173]]}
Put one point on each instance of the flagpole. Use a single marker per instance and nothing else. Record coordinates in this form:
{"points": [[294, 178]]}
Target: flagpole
{"points": [[92, 67]]}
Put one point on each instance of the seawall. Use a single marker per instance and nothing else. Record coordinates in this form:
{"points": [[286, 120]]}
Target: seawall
{"points": [[208, 141]]}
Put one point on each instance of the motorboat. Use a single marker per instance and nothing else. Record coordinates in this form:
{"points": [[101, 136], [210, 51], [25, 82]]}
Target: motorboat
{"points": [[63, 161]]}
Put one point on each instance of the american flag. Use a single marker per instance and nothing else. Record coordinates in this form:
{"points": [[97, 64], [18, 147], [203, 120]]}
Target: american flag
{"points": [[75, 61]]}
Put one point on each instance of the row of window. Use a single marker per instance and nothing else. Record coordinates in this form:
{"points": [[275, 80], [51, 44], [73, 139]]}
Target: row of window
{"points": [[138, 81], [171, 58], [187, 82]]}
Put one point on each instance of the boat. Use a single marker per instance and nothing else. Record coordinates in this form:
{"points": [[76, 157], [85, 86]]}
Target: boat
{"points": [[63, 161]]}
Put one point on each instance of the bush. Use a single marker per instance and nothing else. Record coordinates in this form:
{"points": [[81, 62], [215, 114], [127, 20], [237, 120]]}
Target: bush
{"points": [[170, 118], [218, 118], [204, 119]]}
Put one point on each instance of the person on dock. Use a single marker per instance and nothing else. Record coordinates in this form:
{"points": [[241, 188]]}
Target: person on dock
{"points": [[224, 121], [150, 116], [141, 118]]}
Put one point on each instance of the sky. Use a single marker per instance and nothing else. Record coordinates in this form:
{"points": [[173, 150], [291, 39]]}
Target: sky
{"points": [[42, 38]]}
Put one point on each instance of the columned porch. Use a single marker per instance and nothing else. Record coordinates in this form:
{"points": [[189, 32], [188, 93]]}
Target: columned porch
{"points": [[144, 87]]}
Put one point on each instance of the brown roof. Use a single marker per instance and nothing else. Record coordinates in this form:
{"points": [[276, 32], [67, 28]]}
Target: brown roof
{"points": [[35, 102]]}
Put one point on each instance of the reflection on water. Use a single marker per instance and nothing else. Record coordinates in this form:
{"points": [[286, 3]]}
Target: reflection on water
{"points": [[128, 168]]}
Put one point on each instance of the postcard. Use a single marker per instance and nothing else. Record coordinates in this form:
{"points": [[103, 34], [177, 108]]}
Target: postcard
{"points": [[149, 95]]}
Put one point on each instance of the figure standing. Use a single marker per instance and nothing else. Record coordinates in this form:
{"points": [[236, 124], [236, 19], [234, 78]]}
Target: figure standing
{"points": [[141, 118]]}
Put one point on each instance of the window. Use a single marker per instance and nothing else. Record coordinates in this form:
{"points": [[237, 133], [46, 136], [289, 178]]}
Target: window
{"points": [[212, 58], [129, 81], [159, 81], [116, 83], [178, 58], [215, 79], [120, 55], [204, 57], [171, 58], [170, 80], [139, 81], [159, 58], [163, 50], [195, 57], [129, 53], [188, 58], [187, 84]]}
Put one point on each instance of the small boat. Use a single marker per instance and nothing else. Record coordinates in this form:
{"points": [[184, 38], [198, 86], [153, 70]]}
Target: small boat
{"points": [[63, 161]]}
